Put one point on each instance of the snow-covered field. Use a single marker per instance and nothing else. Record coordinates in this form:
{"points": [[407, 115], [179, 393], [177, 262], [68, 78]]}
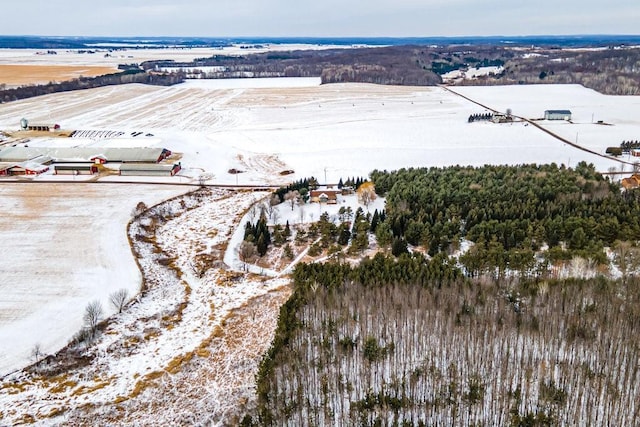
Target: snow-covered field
{"points": [[620, 114], [106, 56], [471, 73], [263, 127], [171, 333], [66, 244]]}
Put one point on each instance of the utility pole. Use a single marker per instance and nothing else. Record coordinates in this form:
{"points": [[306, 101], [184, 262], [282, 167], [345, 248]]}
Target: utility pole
{"points": [[325, 176]]}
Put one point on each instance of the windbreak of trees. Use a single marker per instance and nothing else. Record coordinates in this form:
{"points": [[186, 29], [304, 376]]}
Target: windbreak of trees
{"points": [[129, 76], [408, 342]]}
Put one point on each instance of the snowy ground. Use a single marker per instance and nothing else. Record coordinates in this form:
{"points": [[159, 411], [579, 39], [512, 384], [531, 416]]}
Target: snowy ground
{"points": [[471, 73], [263, 127], [105, 57], [170, 332], [67, 243], [266, 126], [65, 246], [620, 114]]}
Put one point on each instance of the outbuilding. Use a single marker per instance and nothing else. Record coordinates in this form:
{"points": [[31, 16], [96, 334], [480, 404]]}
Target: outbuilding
{"points": [[75, 169], [557, 115], [27, 168], [149, 169]]}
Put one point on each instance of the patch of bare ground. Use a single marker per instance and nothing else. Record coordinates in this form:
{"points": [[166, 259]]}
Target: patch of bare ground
{"points": [[20, 75]]}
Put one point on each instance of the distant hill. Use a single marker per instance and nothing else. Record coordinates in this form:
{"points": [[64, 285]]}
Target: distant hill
{"points": [[71, 42]]}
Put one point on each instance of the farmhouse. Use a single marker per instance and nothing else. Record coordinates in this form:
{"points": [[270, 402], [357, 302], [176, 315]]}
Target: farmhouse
{"points": [[324, 196], [632, 182], [557, 115]]}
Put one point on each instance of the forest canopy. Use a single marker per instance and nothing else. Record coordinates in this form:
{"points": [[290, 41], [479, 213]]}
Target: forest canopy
{"points": [[480, 336]]}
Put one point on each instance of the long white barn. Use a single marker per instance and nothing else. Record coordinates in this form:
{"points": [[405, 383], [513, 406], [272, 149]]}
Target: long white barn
{"points": [[85, 154]]}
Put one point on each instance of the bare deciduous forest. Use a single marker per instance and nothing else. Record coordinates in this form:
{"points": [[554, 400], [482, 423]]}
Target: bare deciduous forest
{"points": [[608, 70], [493, 353]]}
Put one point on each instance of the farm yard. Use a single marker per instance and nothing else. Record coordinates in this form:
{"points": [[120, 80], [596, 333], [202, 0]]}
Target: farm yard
{"points": [[263, 126], [69, 244]]}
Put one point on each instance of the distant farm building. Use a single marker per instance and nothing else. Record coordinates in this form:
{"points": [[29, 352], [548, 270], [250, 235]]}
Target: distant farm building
{"points": [[557, 115], [501, 118], [24, 125]]}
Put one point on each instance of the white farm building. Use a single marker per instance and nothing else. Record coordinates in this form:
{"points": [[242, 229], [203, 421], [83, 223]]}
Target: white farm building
{"points": [[557, 115]]}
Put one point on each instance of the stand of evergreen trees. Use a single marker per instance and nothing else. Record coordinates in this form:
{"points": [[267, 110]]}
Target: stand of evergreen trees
{"points": [[258, 234], [510, 213], [480, 117]]}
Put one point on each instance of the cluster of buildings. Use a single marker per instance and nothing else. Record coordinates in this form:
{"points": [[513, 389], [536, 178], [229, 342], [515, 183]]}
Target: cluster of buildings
{"points": [[86, 161]]}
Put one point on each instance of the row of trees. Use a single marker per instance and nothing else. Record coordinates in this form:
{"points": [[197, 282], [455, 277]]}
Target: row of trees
{"points": [[480, 117], [129, 76], [629, 145]]}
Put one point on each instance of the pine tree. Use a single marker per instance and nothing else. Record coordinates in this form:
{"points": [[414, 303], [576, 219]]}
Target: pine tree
{"points": [[374, 221]]}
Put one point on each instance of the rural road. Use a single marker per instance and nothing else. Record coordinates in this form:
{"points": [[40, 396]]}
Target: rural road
{"points": [[533, 123]]}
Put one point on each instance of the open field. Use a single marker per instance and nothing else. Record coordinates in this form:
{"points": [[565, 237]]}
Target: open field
{"points": [[266, 125], [21, 75], [66, 245], [107, 56], [189, 337]]}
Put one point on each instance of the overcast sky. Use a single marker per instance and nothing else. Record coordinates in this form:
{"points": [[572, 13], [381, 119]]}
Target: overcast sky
{"points": [[324, 18]]}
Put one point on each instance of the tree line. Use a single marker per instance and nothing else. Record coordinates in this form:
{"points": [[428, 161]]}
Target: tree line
{"points": [[609, 71], [128, 76], [395, 65]]}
